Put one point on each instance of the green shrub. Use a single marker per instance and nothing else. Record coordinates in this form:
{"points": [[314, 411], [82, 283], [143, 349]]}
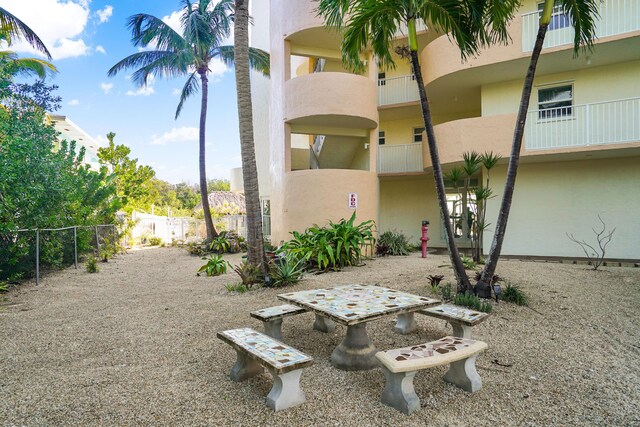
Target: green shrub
{"points": [[396, 242], [155, 241], [4, 286], [220, 244], [446, 292], [468, 263], [91, 264], [286, 272], [473, 302], [249, 274], [513, 294], [215, 266], [240, 288]]}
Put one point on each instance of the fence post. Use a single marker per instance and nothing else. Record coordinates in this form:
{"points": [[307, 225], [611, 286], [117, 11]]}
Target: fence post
{"points": [[97, 242], [197, 230], [75, 246], [37, 257]]}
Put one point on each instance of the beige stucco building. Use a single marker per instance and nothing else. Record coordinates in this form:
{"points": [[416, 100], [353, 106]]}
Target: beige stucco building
{"points": [[324, 134]]}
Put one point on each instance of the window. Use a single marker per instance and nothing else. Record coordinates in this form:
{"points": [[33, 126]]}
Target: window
{"points": [[381, 138], [417, 134], [382, 79], [558, 18], [555, 102]]}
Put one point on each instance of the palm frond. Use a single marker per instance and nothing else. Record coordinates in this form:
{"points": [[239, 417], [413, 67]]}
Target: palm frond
{"points": [[168, 66], [16, 28], [190, 87], [146, 29], [258, 58], [29, 67], [583, 15], [147, 58], [333, 12]]}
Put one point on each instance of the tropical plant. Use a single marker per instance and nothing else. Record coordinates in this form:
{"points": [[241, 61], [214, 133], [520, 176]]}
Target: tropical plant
{"points": [[513, 294], [287, 272], [469, 263], [215, 266], [155, 241], [435, 279], [239, 288], [371, 24], [204, 27], [14, 27], [396, 243], [446, 292], [91, 264], [249, 273], [220, 244], [583, 15], [255, 252], [467, 299]]}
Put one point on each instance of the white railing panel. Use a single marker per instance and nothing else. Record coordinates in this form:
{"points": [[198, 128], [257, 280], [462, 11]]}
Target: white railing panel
{"points": [[402, 158], [403, 31], [397, 90], [611, 122], [616, 17]]}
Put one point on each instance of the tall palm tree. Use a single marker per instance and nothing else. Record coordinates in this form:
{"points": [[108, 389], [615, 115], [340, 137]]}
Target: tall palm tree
{"points": [[372, 24], [205, 26], [255, 255], [583, 15]]}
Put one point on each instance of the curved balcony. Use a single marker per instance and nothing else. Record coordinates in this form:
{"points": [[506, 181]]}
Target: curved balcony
{"points": [[297, 15], [328, 103]]}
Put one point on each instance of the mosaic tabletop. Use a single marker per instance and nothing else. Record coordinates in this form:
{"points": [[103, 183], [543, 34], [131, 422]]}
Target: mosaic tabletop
{"points": [[271, 313], [353, 304], [278, 355], [444, 350], [456, 313]]}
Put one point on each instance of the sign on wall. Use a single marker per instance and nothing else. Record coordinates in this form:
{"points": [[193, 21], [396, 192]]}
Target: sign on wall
{"points": [[353, 200]]}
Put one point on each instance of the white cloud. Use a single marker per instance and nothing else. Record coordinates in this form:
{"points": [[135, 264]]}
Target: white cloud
{"points": [[105, 14], [176, 92], [106, 87], [59, 23], [145, 90], [181, 134], [102, 140], [74, 102], [100, 49]]}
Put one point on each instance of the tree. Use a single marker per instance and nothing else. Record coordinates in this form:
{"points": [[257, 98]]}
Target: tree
{"points": [[372, 24], [583, 15], [204, 27], [255, 239]]}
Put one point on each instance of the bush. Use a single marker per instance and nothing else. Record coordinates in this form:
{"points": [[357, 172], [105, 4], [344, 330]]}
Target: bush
{"points": [[219, 244], [397, 243], [468, 263], [215, 266], [92, 264], [473, 302], [155, 241], [249, 274], [513, 294], [288, 271], [239, 288], [446, 292]]}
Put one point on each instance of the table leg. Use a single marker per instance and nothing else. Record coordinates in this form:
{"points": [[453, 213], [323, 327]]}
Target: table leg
{"points": [[406, 323], [323, 324], [355, 352], [460, 330]]}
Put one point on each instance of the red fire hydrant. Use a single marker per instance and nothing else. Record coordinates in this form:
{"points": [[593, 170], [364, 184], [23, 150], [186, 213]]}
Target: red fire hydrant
{"points": [[424, 238]]}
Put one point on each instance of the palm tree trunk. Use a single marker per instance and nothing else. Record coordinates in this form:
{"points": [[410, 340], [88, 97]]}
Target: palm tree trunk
{"points": [[454, 255], [204, 194], [255, 255], [514, 160]]}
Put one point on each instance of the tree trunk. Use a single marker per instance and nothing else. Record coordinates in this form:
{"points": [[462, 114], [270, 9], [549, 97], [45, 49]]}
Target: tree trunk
{"points": [[204, 194], [454, 255], [514, 160], [255, 245]]}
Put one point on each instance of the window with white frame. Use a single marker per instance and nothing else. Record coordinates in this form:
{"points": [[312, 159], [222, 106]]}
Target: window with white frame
{"points": [[555, 101], [559, 19], [382, 79], [417, 134], [381, 138]]}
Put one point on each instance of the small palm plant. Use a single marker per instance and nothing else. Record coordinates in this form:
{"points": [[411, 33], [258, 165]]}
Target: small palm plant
{"points": [[215, 266]]}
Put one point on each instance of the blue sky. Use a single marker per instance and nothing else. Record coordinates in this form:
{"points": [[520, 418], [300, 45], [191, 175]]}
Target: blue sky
{"points": [[86, 38]]}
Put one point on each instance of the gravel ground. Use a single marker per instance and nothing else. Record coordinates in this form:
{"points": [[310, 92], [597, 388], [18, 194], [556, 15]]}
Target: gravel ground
{"points": [[135, 345]]}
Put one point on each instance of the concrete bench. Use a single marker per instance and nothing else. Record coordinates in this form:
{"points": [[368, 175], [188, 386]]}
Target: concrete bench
{"points": [[401, 365], [272, 318], [256, 350], [460, 318]]}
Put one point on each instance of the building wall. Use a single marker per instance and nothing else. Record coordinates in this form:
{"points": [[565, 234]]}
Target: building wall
{"points": [[555, 198], [400, 131]]}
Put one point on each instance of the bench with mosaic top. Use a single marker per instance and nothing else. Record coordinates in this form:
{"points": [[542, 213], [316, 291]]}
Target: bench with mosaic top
{"points": [[272, 318], [256, 351], [401, 365], [460, 318]]}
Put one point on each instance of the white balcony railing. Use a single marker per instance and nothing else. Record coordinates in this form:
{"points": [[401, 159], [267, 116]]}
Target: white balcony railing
{"points": [[401, 158], [397, 90], [616, 17], [611, 122], [403, 31]]}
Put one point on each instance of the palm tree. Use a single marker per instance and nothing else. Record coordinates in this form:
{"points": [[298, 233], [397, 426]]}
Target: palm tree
{"points": [[583, 14], [11, 26], [255, 255], [205, 26], [372, 24]]}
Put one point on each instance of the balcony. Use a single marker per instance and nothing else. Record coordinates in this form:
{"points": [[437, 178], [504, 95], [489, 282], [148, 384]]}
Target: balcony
{"points": [[401, 158], [616, 17], [397, 90], [602, 123]]}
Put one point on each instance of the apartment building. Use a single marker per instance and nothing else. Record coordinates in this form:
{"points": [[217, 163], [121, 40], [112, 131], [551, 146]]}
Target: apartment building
{"points": [[339, 141], [69, 131]]}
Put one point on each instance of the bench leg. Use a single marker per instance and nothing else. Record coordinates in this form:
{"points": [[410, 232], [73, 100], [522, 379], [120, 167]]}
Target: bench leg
{"points": [[245, 367], [323, 324], [406, 323], [399, 392], [463, 374], [461, 330], [273, 328], [286, 391]]}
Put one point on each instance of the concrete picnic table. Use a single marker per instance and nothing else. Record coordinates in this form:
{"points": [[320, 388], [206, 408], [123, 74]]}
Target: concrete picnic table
{"points": [[353, 306]]}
